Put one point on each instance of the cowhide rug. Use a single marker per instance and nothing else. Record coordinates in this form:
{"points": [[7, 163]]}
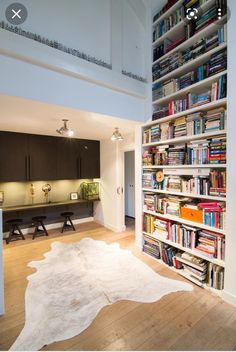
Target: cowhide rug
{"points": [[75, 281]]}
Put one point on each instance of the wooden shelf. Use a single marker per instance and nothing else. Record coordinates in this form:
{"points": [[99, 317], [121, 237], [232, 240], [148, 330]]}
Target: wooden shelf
{"points": [[186, 138], [187, 250], [187, 43], [196, 87], [184, 221], [190, 195], [210, 166], [205, 107], [188, 66]]}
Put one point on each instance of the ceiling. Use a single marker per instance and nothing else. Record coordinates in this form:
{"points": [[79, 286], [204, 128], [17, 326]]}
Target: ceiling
{"points": [[20, 115], [157, 5]]}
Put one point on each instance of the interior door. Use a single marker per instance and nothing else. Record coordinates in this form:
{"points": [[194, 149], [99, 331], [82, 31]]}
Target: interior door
{"points": [[129, 184]]}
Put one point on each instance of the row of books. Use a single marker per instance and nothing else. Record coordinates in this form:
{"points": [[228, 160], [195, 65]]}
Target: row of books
{"points": [[209, 213], [179, 58], [197, 270], [192, 124], [165, 8], [216, 64], [167, 23], [191, 100]]}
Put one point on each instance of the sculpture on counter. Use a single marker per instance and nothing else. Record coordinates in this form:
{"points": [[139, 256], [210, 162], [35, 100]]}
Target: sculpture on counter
{"points": [[46, 189], [32, 193]]}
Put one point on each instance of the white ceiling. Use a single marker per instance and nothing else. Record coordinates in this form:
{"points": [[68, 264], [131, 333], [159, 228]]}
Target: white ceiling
{"points": [[28, 116]]}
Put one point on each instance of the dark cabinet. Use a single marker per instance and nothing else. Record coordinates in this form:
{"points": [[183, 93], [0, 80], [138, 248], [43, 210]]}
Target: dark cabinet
{"points": [[67, 159], [28, 157], [89, 162], [42, 158], [13, 157]]}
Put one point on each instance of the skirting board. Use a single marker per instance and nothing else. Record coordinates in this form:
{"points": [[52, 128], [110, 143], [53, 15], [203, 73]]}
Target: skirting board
{"points": [[56, 225], [229, 298], [111, 227]]}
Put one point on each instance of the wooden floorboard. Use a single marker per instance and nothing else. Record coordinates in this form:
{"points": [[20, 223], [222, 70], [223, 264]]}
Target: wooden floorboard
{"points": [[179, 321]]}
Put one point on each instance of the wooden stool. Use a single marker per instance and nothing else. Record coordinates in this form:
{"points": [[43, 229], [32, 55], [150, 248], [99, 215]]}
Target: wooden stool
{"points": [[67, 218], [15, 231], [38, 221]]}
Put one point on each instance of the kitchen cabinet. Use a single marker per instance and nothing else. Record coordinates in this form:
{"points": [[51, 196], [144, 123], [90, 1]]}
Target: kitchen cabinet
{"points": [[67, 159], [89, 162], [13, 157]]}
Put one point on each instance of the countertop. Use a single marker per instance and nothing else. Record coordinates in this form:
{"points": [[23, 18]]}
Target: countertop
{"points": [[43, 205]]}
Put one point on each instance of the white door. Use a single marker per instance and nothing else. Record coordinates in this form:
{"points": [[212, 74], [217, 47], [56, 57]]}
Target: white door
{"points": [[129, 184]]}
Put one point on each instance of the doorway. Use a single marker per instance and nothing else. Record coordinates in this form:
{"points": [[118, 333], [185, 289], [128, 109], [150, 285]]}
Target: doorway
{"points": [[129, 188]]}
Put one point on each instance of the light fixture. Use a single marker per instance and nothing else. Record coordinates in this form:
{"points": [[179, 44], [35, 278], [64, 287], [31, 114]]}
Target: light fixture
{"points": [[64, 130], [116, 135]]}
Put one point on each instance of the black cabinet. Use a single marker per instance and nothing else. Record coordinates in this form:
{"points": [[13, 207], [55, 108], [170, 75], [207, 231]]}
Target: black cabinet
{"points": [[13, 157], [42, 158], [28, 157], [67, 159], [89, 162]]}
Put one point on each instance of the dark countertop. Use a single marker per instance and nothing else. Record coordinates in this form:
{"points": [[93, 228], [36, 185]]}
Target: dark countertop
{"points": [[43, 205]]}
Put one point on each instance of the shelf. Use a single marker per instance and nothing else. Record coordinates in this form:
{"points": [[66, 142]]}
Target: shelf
{"points": [[205, 83], [184, 221], [190, 195], [205, 107], [171, 34], [186, 138], [187, 250], [190, 64], [180, 272], [210, 166], [187, 43], [168, 12]]}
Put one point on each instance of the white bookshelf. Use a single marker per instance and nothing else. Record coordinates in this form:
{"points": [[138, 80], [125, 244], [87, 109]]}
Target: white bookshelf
{"points": [[196, 88]]}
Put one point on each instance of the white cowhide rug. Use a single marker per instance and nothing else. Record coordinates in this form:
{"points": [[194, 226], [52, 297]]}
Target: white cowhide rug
{"points": [[75, 281]]}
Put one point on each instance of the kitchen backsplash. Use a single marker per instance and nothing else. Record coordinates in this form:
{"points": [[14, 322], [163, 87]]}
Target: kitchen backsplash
{"points": [[18, 193]]}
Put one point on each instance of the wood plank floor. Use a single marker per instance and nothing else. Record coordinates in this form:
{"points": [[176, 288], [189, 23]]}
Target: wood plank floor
{"points": [[179, 321]]}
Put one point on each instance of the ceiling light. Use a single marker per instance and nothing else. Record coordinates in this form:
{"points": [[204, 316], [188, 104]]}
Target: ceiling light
{"points": [[64, 130], [117, 136]]}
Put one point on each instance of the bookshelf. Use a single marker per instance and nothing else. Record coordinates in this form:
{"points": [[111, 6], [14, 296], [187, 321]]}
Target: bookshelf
{"points": [[183, 149]]}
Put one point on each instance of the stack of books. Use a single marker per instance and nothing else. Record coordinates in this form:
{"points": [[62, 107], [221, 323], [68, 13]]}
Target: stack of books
{"points": [[173, 183], [173, 205], [169, 87], [211, 244], [215, 120], [167, 6], [167, 65], [149, 179], [180, 127], [219, 88], [160, 155], [196, 185], [147, 158], [217, 63], [162, 228], [216, 276], [147, 136], [167, 130], [213, 214], [195, 100], [185, 81], [155, 133], [150, 203], [168, 255], [151, 246], [218, 183], [160, 112], [183, 235], [148, 223], [198, 152], [157, 91], [176, 155], [195, 268], [195, 123], [217, 151], [206, 19]]}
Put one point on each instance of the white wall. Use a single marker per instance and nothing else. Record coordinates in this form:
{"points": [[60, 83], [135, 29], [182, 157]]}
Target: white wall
{"points": [[1, 269], [230, 270]]}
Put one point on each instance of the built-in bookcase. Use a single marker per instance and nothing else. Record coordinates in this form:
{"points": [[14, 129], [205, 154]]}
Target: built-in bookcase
{"points": [[184, 160]]}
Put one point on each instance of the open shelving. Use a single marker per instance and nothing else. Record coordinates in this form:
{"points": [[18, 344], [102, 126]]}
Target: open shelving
{"points": [[185, 170]]}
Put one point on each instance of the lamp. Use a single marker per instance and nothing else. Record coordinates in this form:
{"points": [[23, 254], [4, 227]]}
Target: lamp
{"points": [[64, 130], [116, 135]]}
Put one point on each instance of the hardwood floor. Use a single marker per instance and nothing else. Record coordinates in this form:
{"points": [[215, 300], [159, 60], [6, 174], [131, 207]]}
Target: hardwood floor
{"points": [[179, 321]]}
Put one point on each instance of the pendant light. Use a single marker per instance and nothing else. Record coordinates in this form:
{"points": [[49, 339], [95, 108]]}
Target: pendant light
{"points": [[64, 130], [116, 135]]}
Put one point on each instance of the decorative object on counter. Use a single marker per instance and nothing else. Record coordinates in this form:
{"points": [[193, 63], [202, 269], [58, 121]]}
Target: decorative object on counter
{"points": [[46, 189], [64, 130], [74, 281], [1, 197], [74, 196], [116, 135], [90, 190], [32, 193], [68, 224], [40, 229], [15, 232], [54, 44]]}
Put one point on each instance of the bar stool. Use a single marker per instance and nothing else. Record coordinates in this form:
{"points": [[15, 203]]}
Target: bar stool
{"points": [[68, 224], [38, 222], [15, 231]]}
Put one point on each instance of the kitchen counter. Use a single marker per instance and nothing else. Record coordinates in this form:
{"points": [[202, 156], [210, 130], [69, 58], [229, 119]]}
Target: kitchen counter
{"points": [[45, 205]]}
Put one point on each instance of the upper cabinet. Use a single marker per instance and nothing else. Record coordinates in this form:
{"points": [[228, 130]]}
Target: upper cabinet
{"points": [[26, 157], [13, 157]]}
